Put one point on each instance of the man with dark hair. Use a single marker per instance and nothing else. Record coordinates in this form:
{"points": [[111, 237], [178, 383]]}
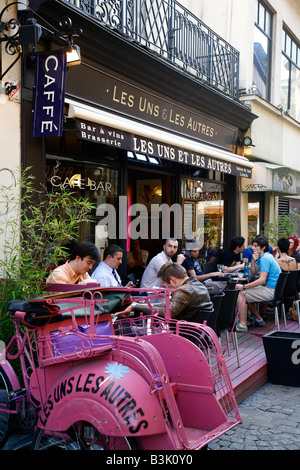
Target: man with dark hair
{"points": [[193, 268], [261, 289], [106, 272], [75, 270], [231, 258], [248, 252]]}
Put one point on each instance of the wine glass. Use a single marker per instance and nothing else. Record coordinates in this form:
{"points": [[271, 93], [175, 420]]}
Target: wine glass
{"points": [[220, 267]]}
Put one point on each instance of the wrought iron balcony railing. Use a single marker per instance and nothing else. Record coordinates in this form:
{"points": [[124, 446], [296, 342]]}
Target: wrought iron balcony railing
{"points": [[170, 30]]}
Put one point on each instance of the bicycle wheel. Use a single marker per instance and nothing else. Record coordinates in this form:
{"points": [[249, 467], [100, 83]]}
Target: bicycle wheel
{"points": [[5, 418], [81, 436]]}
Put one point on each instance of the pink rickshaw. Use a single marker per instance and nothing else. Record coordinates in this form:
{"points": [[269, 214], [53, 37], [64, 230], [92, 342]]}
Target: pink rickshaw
{"points": [[92, 382]]}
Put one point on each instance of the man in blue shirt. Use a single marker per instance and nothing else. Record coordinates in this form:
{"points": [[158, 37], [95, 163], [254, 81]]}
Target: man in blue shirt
{"points": [[231, 258], [261, 289], [248, 253]]}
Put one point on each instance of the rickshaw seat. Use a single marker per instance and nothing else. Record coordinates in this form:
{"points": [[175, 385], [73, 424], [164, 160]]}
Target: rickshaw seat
{"points": [[60, 341], [66, 344]]}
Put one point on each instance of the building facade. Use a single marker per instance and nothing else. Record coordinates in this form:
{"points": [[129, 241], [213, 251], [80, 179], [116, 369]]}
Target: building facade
{"points": [[10, 105], [266, 33]]}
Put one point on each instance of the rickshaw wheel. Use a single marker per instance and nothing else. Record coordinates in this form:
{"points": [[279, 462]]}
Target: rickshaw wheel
{"points": [[5, 418], [80, 436]]}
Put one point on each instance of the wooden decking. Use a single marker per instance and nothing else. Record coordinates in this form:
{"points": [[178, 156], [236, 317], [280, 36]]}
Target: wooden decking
{"points": [[252, 374]]}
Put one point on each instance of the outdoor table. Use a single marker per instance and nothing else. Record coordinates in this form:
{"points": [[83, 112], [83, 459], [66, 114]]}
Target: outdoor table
{"points": [[230, 277]]}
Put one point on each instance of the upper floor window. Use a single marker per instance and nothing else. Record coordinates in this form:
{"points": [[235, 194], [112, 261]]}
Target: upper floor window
{"points": [[262, 50], [290, 75]]}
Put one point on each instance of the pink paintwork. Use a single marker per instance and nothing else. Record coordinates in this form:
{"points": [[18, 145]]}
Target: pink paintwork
{"points": [[151, 385]]}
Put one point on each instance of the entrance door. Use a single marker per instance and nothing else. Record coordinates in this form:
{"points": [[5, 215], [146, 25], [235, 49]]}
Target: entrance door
{"points": [[151, 195]]}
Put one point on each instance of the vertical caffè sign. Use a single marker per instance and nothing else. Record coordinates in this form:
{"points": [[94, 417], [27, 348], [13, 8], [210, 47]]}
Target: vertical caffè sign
{"points": [[48, 109]]}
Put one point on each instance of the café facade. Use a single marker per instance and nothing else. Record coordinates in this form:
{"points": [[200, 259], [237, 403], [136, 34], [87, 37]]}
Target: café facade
{"points": [[155, 149]]}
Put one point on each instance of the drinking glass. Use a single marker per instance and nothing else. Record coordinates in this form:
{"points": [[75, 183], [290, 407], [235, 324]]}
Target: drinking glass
{"points": [[220, 267]]}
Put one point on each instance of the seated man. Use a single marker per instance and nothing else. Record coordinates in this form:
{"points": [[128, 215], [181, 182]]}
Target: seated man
{"points": [[248, 252], [231, 258], [261, 289], [150, 277], [75, 270], [193, 268], [106, 272], [190, 298]]}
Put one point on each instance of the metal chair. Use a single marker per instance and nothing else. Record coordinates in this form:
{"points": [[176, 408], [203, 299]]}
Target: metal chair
{"points": [[213, 319], [209, 267], [278, 298], [227, 318], [291, 291], [200, 317], [231, 284]]}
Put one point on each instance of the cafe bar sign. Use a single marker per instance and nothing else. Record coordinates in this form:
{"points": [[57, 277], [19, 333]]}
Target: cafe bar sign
{"points": [[48, 109], [101, 134]]}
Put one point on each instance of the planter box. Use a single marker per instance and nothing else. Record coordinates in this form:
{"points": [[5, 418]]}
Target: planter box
{"points": [[283, 357]]}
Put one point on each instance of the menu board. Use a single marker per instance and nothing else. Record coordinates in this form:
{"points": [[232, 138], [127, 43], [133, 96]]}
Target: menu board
{"points": [[188, 218]]}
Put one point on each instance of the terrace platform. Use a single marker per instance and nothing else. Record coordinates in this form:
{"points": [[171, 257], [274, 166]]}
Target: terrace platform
{"points": [[252, 374]]}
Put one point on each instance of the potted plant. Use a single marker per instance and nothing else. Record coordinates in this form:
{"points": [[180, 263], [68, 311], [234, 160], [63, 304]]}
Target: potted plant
{"points": [[282, 350]]}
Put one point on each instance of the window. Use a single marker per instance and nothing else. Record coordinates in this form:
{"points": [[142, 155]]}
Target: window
{"points": [[262, 50], [290, 76], [256, 202], [94, 182]]}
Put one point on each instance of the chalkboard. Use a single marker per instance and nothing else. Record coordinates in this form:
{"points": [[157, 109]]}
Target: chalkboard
{"points": [[188, 218]]}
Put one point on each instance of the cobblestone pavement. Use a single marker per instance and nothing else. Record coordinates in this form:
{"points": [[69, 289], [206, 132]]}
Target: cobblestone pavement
{"points": [[271, 421]]}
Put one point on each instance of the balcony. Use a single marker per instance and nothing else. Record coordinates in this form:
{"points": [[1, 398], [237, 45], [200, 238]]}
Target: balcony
{"points": [[174, 34]]}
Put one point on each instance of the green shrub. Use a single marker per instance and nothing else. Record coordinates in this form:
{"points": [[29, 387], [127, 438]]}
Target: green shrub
{"points": [[281, 227]]}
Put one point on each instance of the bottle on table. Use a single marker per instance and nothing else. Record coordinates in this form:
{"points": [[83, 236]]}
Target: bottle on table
{"points": [[246, 269]]}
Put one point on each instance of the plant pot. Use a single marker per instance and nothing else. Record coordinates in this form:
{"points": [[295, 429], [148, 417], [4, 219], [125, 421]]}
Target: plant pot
{"points": [[282, 350]]}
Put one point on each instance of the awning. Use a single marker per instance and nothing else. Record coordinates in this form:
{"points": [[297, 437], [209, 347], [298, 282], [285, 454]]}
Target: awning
{"points": [[271, 177], [101, 126]]}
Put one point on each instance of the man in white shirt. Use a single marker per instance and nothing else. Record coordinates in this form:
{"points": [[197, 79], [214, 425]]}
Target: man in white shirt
{"points": [[150, 277], [106, 272]]}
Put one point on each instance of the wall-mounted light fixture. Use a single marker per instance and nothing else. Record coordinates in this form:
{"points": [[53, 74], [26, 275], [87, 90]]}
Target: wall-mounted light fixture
{"points": [[246, 141], [66, 35], [16, 35], [73, 55]]}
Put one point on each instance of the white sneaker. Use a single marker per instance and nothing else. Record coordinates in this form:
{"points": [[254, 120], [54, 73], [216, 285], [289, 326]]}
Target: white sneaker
{"points": [[241, 328]]}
